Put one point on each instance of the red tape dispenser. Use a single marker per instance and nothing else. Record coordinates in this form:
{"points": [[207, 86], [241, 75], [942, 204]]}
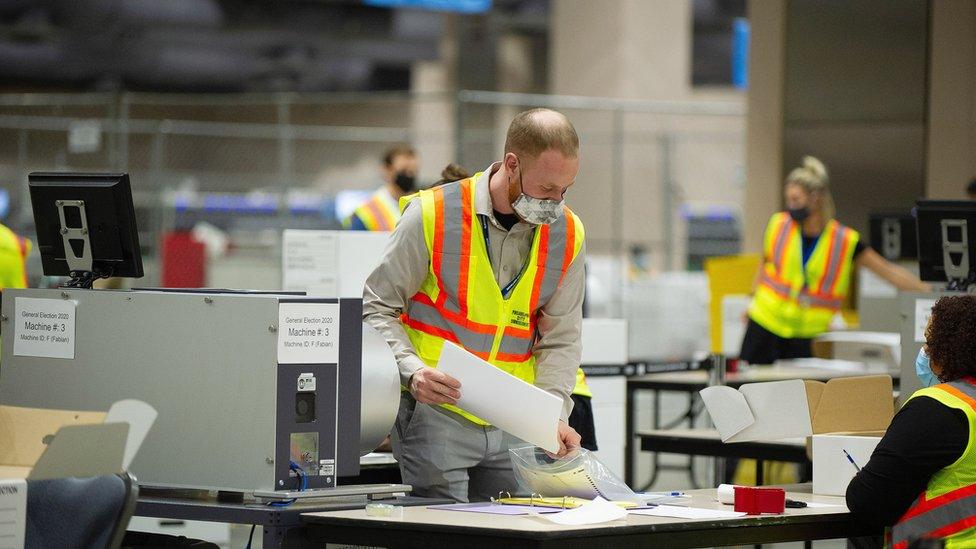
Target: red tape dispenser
{"points": [[754, 501]]}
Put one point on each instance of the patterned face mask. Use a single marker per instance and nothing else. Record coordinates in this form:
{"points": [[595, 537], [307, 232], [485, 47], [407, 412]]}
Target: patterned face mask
{"points": [[536, 211]]}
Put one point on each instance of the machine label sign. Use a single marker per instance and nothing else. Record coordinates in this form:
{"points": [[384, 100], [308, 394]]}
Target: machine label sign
{"points": [[923, 310], [308, 333], [44, 327]]}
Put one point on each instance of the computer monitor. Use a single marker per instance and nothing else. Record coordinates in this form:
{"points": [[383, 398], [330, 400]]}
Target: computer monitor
{"points": [[893, 234], [86, 226], [947, 242]]}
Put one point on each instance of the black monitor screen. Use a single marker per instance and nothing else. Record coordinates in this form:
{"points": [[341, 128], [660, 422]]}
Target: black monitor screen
{"points": [[947, 240], [92, 216], [893, 235]]}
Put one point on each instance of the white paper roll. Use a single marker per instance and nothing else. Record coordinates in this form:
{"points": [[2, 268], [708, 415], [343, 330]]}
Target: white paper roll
{"points": [[726, 493], [380, 391]]}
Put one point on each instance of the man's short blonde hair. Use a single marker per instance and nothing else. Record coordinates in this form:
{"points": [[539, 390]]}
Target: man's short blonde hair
{"points": [[537, 130]]}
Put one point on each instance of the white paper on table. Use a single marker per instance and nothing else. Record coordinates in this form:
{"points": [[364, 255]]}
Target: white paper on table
{"points": [[593, 512], [685, 512], [833, 364], [759, 411], [512, 405]]}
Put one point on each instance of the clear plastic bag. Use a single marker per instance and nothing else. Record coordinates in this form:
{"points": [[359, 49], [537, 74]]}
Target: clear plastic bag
{"points": [[578, 474]]}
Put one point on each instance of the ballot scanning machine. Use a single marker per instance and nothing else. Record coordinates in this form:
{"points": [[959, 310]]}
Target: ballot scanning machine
{"points": [[256, 392], [946, 234]]}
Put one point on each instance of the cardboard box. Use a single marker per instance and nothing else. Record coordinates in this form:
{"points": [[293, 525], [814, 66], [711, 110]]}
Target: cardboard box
{"points": [[39, 444], [800, 408], [832, 471]]}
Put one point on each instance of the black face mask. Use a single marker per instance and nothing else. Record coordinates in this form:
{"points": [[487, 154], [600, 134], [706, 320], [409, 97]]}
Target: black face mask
{"points": [[799, 214], [406, 182]]}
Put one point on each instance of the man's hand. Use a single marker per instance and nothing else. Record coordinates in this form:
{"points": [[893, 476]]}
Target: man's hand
{"points": [[430, 386], [569, 439]]}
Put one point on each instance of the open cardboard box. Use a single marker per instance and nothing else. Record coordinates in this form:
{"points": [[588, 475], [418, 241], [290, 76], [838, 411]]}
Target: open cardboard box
{"points": [[37, 443], [799, 408], [848, 413]]}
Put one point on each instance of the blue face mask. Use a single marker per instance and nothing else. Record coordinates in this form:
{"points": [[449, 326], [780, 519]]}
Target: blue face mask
{"points": [[923, 370]]}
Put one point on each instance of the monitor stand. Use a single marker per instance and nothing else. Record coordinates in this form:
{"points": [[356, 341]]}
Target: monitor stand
{"points": [[77, 246]]}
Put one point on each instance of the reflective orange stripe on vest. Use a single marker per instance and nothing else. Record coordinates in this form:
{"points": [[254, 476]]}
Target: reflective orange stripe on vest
{"points": [[949, 513], [378, 213], [452, 244], [24, 247]]}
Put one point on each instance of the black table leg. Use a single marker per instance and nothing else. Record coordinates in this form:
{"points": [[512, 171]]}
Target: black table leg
{"points": [[630, 436]]}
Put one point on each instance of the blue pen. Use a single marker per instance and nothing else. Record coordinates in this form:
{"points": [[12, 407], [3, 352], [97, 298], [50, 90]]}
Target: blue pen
{"points": [[850, 459]]}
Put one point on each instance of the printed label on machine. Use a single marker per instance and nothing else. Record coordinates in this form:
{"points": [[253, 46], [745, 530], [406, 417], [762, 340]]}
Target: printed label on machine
{"points": [[309, 260], [308, 333], [44, 327], [923, 310], [327, 467]]}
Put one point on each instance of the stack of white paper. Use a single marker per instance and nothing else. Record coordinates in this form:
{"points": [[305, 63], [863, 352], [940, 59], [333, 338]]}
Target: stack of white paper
{"points": [[597, 511]]}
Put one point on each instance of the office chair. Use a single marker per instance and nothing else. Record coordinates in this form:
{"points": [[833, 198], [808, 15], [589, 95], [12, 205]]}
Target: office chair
{"points": [[79, 512]]}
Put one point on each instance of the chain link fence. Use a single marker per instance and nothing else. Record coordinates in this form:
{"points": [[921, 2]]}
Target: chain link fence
{"points": [[646, 167]]}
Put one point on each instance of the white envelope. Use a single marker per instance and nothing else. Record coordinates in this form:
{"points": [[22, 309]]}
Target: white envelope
{"points": [[512, 405]]}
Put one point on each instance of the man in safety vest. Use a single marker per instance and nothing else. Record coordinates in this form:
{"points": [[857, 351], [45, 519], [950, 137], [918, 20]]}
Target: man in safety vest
{"points": [[493, 263], [921, 478], [13, 259], [382, 211]]}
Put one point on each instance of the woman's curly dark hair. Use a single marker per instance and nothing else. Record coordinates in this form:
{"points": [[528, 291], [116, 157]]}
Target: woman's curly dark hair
{"points": [[951, 337]]}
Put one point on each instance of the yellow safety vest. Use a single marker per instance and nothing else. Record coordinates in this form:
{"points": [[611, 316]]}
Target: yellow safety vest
{"points": [[13, 259], [581, 388], [947, 507], [379, 213], [460, 301], [796, 301]]}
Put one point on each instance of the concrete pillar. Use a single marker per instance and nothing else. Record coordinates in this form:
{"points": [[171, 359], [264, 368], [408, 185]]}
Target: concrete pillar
{"points": [[432, 113], [764, 121], [624, 48], [951, 162]]}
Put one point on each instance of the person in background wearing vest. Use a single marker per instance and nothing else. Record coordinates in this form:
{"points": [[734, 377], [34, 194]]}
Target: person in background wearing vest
{"points": [[13, 259], [808, 261], [921, 478], [382, 211], [493, 263]]}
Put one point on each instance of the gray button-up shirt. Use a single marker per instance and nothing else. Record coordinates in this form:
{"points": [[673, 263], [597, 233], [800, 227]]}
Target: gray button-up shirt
{"points": [[405, 265]]}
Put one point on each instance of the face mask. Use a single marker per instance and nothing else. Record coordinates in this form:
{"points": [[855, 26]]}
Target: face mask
{"points": [[537, 211], [407, 183], [799, 214], [923, 370]]}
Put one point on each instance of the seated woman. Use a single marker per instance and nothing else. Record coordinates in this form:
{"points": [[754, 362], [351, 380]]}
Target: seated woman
{"points": [[921, 479]]}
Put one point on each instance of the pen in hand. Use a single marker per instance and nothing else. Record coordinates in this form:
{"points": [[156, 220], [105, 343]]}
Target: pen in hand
{"points": [[850, 459]]}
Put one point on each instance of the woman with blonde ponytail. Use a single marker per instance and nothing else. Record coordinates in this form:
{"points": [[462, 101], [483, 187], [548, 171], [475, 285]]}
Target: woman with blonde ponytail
{"points": [[808, 260]]}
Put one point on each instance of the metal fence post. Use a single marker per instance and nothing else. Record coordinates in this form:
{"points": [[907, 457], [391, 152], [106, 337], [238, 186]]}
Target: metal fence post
{"points": [[286, 155], [667, 190], [459, 128], [156, 168], [123, 131], [617, 208]]}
